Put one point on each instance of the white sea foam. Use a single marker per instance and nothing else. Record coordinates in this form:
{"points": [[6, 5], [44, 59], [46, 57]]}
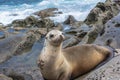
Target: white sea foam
{"points": [[78, 8]]}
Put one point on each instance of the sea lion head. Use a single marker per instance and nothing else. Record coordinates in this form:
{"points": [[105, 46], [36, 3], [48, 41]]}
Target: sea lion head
{"points": [[55, 37]]}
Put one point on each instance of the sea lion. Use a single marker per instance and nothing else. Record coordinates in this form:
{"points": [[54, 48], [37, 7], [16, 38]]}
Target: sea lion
{"points": [[67, 64]]}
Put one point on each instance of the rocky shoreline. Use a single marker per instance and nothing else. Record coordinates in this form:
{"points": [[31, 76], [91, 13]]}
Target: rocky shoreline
{"points": [[22, 40]]}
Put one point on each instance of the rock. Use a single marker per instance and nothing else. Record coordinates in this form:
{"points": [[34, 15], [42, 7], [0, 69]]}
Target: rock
{"points": [[98, 18], [30, 21], [102, 12], [59, 26], [71, 42], [26, 23], [17, 44], [3, 77], [8, 46], [45, 23], [18, 23], [72, 32], [75, 36], [117, 25], [111, 32], [81, 34], [48, 12], [77, 24], [92, 35], [70, 20], [24, 67], [101, 6], [93, 16]]}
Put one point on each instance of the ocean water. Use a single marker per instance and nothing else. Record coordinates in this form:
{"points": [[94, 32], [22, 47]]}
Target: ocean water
{"points": [[19, 9]]}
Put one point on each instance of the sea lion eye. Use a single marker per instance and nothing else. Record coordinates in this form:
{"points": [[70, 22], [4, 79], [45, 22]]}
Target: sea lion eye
{"points": [[51, 35]]}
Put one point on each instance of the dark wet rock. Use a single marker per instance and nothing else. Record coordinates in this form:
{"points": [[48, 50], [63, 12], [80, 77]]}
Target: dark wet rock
{"points": [[50, 12], [93, 16], [19, 23], [81, 34], [101, 6], [92, 35], [3, 77], [117, 25], [30, 21], [108, 17], [70, 20], [73, 22], [45, 23], [26, 23], [72, 32]]}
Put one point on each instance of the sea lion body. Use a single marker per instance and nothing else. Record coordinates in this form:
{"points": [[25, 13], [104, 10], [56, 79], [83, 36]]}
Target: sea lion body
{"points": [[65, 64]]}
